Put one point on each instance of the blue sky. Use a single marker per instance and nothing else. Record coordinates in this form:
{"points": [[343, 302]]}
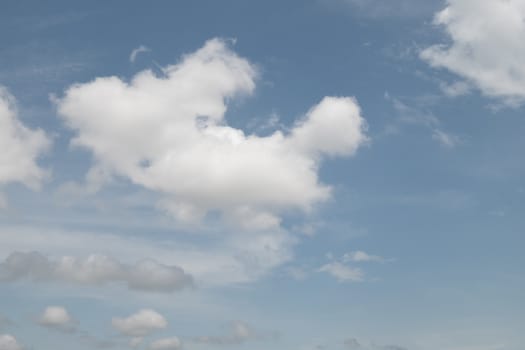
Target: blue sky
{"points": [[310, 175]]}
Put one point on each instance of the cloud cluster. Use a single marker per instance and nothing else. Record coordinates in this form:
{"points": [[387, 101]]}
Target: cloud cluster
{"points": [[20, 147], [168, 134], [140, 324], [146, 275], [8, 342], [486, 45]]}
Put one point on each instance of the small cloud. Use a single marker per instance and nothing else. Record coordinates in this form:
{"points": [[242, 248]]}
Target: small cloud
{"points": [[342, 272], [458, 88], [352, 344], [360, 256], [137, 51], [57, 318], [172, 343], [446, 139], [140, 324], [297, 273]]}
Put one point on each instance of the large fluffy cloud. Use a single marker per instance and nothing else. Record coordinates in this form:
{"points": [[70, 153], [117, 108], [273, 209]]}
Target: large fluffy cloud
{"points": [[140, 324], [486, 45], [169, 135], [20, 146], [146, 275]]}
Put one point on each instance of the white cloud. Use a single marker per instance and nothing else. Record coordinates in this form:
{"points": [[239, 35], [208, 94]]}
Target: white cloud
{"points": [[360, 256], [486, 45], [342, 272], [20, 147], [172, 343], [56, 317], [8, 342], [446, 139], [137, 51], [140, 324], [146, 275], [168, 134]]}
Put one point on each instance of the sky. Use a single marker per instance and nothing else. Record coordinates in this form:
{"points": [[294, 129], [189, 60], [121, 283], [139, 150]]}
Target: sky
{"points": [[289, 175]]}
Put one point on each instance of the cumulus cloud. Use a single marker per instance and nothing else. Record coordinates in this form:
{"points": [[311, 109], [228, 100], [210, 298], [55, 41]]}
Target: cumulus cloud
{"points": [[168, 134], [20, 147], [56, 317], [140, 324], [137, 51], [146, 275], [342, 272], [486, 45], [172, 343], [8, 342]]}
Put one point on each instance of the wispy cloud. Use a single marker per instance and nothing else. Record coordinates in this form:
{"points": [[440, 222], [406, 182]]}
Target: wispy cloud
{"points": [[137, 51]]}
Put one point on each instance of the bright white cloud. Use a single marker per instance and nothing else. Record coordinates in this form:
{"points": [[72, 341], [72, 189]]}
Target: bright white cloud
{"points": [[137, 51], [172, 343], [146, 275], [342, 272], [56, 317], [486, 48], [20, 147], [169, 135], [8, 342], [140, 324]]}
